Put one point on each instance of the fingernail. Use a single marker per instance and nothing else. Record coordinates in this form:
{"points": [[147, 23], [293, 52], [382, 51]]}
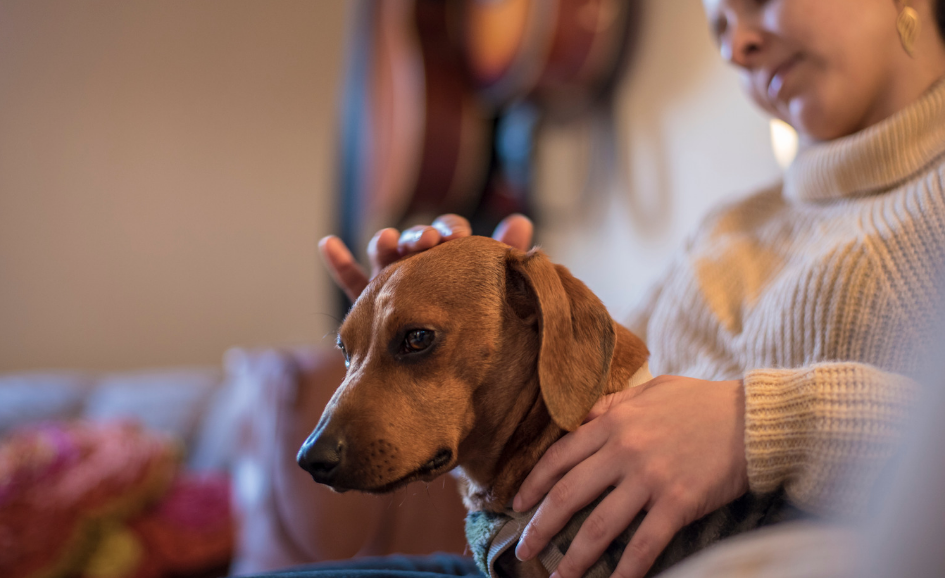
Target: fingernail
{"points": [[500, 230], [410, 236], [521, 552], [554, 575], [517, 503], [443, 228]]}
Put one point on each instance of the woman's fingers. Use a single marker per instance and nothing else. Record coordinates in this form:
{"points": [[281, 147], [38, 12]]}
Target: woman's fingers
{"points": [[658, 528], [515, 230], [382, 249], [612, 516], [417, 239], [452, 226], [342, 267], [562, 456], [575, 490], [389, 245]]}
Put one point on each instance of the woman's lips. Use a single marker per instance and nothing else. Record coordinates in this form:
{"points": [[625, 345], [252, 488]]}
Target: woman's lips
{"points": [[777, 78]]}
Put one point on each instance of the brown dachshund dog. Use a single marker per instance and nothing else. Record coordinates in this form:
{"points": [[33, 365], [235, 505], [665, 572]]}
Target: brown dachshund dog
{"points": [[471, 355]]}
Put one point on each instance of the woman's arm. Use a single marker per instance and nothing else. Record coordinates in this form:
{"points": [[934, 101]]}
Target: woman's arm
{"points": [[824, 432]]}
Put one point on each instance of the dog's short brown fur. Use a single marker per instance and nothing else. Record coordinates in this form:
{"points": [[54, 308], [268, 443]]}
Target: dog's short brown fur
{"points": [[521, 352]]}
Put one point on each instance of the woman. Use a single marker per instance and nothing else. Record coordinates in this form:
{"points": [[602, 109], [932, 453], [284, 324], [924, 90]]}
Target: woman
{"points": [[804, 309]]}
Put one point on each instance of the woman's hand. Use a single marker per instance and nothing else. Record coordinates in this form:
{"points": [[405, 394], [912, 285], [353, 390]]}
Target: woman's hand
{"points": [[389, 245], [673, 446]]}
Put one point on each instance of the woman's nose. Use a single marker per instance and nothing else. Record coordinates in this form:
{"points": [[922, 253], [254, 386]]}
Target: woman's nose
{"points": [[741, 44]]}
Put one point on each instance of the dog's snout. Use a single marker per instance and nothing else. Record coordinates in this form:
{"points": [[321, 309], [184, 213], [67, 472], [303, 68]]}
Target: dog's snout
{"points": [[322, 456]]}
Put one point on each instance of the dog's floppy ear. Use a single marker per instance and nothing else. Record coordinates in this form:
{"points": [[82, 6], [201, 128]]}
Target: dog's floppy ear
{"points": [[576, 333]]}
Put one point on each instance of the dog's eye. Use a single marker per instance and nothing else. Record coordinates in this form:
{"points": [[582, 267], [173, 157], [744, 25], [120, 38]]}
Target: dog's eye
{"points": [[417, 340], [344, 352]]}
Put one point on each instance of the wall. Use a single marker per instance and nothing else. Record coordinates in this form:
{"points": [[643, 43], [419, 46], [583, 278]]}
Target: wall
{"points": [[165, 172], [685, 139], [166, 169]]}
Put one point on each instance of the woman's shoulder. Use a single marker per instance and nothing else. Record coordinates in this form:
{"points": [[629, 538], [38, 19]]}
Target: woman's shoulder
{"points": [[915, 206], [741, 213]]}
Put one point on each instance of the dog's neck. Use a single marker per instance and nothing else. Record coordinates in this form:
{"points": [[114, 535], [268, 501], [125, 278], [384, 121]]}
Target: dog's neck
{"points": [[492, 481]]}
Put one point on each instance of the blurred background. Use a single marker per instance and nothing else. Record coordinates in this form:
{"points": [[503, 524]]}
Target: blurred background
{"points": [[166, 171]]}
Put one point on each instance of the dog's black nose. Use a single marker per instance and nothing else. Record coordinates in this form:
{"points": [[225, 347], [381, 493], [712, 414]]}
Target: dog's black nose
{"points": [[321, 456]]}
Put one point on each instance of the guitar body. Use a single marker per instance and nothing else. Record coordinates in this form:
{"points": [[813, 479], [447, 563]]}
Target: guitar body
{"points": [[562, 54], [415, 138], [457, 127]]}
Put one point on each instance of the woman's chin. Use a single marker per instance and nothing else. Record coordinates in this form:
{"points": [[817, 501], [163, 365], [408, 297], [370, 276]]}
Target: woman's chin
{"points": [[828, 112], [816, 123]]}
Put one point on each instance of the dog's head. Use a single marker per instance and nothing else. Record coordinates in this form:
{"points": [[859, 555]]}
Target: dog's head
{"points": [[442, 347]]}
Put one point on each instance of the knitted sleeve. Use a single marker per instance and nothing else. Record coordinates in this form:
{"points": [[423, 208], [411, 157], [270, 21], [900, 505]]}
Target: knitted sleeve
{"points": [[825, 432]]}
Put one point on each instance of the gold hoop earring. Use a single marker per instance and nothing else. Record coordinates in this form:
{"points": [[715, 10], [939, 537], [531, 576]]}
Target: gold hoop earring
{"points": [[908, 26]]}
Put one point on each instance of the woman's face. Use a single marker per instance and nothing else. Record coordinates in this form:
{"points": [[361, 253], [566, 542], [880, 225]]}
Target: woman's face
{"points": [[827, 67]]}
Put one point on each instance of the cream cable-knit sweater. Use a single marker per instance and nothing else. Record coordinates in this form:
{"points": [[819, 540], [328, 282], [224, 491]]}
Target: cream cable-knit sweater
{"points": [[820, 293]]}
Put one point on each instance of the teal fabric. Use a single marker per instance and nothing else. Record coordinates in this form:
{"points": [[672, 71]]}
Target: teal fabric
{"points": [[481, 530]]}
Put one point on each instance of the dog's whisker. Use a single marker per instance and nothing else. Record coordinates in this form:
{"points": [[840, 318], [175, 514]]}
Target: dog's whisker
{"points": [[332, 335], [328, 315], [431, 500]]}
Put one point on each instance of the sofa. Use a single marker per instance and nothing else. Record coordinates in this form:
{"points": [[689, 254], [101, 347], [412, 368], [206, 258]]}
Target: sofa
{"points": [[225, 433]]}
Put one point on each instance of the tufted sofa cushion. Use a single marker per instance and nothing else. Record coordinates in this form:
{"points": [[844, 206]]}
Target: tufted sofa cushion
{"points": [[41, 396], [190, 404]]}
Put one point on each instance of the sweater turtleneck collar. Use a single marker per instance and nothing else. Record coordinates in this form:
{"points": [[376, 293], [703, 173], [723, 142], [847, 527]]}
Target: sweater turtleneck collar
{"points": [[875, 159]]}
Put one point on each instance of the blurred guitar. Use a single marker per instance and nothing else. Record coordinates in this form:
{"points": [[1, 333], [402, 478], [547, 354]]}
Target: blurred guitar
{"points": [[562, 54], [442, 100], [415, 139], [539, 61]]}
